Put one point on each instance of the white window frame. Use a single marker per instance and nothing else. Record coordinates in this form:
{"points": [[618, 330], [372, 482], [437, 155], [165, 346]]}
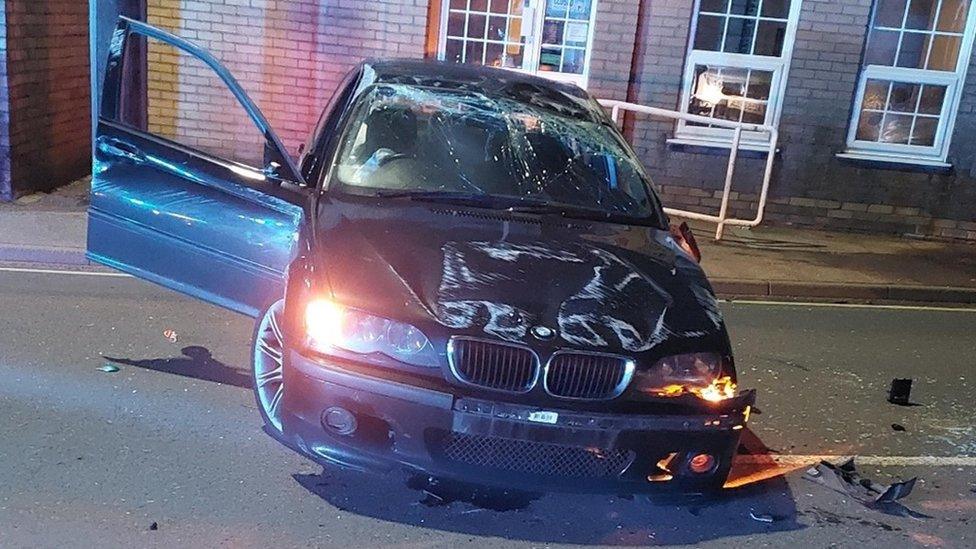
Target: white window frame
{"points": [[938, 153], [533, 17], [687, 134]]}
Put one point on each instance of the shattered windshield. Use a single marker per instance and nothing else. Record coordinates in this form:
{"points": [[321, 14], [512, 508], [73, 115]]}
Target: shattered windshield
{"points": [[410, 139]]}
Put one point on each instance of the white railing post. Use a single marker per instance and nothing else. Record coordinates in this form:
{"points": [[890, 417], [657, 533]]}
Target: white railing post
{"points": [[729, 173], [722, 219]]}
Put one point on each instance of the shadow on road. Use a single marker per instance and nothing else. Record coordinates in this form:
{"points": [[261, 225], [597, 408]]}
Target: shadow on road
{"points": [[196, 362], [761, 502]]}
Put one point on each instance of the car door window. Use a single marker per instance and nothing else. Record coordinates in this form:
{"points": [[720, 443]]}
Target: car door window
{"points": [[171, 94]]}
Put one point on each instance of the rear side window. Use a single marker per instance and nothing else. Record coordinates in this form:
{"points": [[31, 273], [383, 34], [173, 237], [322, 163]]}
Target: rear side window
{"points": [[171, 94]]}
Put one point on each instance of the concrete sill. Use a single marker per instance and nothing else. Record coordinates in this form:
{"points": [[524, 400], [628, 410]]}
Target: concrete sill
{"points": [[716, 145], [895, 162]]}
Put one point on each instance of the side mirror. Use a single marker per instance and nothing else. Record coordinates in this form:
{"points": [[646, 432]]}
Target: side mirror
{"points": [[686, 239], [272, 170]]}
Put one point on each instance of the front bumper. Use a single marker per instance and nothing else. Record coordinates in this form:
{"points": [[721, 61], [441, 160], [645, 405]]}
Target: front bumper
{"points": [[503, 444]]}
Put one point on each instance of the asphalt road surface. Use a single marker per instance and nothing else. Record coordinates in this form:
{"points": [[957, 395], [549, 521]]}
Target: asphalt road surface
{"points": [[168, 450]]}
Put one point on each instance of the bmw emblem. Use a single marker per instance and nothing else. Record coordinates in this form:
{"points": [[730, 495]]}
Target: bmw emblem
{"points": [[542, 332]]}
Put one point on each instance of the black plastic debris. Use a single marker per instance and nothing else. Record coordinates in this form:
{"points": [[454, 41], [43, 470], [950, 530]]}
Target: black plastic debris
{"points": [[845, 479], [154, 526], [900, 392], [897, 427]]}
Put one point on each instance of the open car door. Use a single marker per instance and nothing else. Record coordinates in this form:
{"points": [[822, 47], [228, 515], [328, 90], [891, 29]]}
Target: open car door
{"points": [[181, 203]]}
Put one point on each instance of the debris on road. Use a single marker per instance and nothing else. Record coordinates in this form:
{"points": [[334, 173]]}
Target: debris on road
{"points": [[897, 427], [171, 335], [845, 479], [761, 518], [154, 526], [900, 392], [109, 368]]}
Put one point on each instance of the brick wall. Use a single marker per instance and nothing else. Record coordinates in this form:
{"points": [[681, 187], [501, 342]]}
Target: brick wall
{"points": [[46, 140], [6, 192], [811, 186], [289, 56], [614, 39]]}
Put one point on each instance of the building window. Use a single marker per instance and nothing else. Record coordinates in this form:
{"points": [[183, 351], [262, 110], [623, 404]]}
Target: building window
{"points": [[551, 38], [738, 57], [914, 65]]}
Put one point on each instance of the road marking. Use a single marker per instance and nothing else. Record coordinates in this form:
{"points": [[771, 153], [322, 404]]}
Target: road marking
{"points": [[62, 272], [846, 305], [878, 461]]}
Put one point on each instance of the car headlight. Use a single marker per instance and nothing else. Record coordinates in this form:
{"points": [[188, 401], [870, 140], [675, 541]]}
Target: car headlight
{"points": [[695, 373], [331, 328]]}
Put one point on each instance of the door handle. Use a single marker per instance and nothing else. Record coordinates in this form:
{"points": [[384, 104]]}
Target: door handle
{"points": [[124, 147]]}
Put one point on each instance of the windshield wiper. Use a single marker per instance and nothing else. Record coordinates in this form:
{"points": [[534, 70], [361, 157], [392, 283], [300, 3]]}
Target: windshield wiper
{"points": [[516, 204], [574, 211]]}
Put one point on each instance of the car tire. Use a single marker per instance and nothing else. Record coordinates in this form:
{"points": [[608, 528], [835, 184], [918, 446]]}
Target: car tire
{"points": [[267, 359]]}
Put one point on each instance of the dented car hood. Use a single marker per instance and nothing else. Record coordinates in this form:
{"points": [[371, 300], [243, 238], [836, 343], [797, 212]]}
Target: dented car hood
{"points": [[457, 270]]}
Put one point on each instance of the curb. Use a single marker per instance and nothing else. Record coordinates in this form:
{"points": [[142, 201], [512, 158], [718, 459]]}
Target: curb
{"points": [[777, 289], [43, 254]]}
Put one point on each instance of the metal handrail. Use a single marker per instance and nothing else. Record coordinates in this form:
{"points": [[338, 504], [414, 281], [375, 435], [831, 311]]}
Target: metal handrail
{"points": [[722, 218]]}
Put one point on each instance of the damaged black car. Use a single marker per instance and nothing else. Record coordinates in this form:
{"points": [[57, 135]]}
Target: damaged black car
{"points": [[466, 273]]}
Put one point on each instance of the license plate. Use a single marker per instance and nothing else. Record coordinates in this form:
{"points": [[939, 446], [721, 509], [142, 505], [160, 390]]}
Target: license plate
{"points": [[544, 417]]}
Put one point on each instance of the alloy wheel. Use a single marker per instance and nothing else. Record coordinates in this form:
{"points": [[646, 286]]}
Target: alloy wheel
{"points": [[269, 387]]}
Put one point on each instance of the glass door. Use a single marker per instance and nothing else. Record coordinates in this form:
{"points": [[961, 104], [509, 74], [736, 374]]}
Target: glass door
{"points": [[551, 38]]}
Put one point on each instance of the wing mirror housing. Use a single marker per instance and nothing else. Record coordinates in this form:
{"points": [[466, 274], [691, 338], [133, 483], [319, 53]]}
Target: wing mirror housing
{"points": [[686, 239]]}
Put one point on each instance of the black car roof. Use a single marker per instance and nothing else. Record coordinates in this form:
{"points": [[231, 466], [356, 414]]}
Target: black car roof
{"points": [[490, 81]]}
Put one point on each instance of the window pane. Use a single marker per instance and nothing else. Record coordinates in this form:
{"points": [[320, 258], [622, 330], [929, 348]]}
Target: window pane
{"points": [[869, 126], [904, 97], [730, 93], [479, 5], [576, 33], [760, 83], [896, 128], [499, 6], [745, 7], [738, 37], [455, 24], [914, 47], [557, 8], [770, 37], [459, 4], [579, 10], [573, 60], [924, 132], [945, 53], [550, 59], [708, 35], [498, 28], [552, 32], [776, 8], [476, 26], [921, 14], [932, 99], [717, 6], [952, 17], [876, 95], [889, 13], [474, 53], [453, 51], [881, 49]]}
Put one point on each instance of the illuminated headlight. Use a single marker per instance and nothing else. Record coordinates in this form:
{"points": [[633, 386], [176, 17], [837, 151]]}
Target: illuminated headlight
{"points": [[680, 373], [331, 328]]}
